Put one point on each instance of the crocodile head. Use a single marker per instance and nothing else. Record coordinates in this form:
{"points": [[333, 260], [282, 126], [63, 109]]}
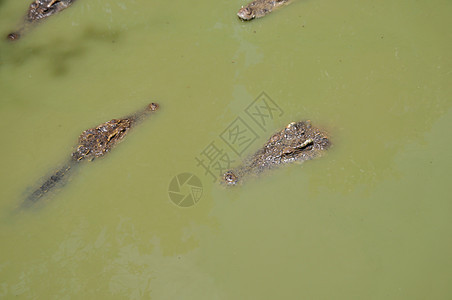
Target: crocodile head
{"points": [[41, 9]]}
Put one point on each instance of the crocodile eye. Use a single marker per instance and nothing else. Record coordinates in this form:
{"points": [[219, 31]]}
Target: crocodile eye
{"points": [[245, 13], [53, 2], [248, 11]]}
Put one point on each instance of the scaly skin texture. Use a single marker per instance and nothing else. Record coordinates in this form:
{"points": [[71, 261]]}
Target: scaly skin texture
{"points": [[41, 9], [38, 10], [93, 143], [297, 142], [259, 9], [96, 142]]}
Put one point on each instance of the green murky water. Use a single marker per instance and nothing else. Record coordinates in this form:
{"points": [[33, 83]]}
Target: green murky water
{"points": [[371, 220]]}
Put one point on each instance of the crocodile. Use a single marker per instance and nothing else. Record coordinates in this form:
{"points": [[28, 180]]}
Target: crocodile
{"points": [[297, 142], [259, 9], [38, 10], [92, 143]]}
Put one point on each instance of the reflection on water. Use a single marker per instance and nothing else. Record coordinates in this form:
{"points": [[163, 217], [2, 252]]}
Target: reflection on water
{"points": [[369, 220]]}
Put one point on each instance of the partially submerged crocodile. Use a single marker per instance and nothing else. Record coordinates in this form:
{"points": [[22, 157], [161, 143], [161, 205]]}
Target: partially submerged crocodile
{"points": [[38, 10], [93, 143], [297, 142], [259, 9]]}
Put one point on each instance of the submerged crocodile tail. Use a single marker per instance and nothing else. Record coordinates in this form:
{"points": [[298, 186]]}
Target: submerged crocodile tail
{"points": [[50, 183]]}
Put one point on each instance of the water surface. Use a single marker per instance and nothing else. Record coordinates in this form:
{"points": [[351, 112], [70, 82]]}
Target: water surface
{"points": [[370, 220]]}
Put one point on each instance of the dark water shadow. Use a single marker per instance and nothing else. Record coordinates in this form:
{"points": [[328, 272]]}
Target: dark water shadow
{"points": [[58, 53]]}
